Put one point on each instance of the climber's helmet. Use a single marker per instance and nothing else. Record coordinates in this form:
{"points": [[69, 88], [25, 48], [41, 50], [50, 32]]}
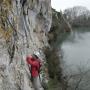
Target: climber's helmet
{"points": [[36, 54]]}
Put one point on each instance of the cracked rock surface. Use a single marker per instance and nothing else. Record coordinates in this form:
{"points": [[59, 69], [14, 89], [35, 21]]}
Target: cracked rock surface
{"points": [[31, 20]]}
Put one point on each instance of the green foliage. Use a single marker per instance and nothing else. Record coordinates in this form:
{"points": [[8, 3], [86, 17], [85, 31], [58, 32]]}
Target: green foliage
{"points": [[59, 25], [53, 84], [53, 64], [56, 81]]}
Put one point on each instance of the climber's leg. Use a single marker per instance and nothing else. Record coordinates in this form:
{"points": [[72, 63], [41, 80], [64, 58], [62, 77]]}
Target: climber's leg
{"points": [[37, 84]]}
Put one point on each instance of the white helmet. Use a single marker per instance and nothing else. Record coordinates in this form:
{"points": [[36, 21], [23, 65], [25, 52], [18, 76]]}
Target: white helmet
{"points": [[37, 53]]}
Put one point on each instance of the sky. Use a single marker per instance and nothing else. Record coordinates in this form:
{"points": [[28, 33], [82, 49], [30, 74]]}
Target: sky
{"points": [[63, 4]]}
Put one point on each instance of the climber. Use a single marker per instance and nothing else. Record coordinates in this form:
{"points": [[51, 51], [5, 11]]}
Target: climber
{"points": [[35, 63]]}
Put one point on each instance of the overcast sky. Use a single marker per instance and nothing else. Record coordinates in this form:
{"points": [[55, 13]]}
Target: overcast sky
{"points": [[63, 4]]}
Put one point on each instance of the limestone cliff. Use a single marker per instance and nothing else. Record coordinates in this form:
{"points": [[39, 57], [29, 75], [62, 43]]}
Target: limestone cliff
{"points": [[23, 28]]}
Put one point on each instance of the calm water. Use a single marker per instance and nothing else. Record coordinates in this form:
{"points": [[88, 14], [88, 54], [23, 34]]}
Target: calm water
{"points": [[76, 50]]}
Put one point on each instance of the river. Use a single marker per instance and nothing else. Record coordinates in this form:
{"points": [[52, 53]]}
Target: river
{"points": [[76, 49], [76, 55]]}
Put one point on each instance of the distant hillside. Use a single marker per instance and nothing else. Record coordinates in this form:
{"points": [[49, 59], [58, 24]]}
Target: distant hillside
{"points": [[78, 16]]}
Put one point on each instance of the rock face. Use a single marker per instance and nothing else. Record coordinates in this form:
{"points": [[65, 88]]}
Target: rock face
{"points": [[30, 21]]}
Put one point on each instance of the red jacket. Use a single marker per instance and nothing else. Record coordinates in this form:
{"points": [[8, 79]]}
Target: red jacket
{"points": [[35, 65]]}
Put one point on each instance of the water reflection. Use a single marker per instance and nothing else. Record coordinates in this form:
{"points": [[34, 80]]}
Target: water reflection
{"points": [[76, 49], [76, 59]]}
